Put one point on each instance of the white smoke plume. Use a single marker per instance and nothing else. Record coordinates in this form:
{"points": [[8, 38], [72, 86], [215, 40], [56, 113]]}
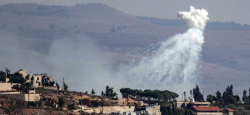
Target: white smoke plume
{"points": [[176, 61], [194, 18], [172, 66]]}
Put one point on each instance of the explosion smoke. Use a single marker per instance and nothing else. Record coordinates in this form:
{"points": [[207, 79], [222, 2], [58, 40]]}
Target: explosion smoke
{"points": [[195, 18], [176, 61]]}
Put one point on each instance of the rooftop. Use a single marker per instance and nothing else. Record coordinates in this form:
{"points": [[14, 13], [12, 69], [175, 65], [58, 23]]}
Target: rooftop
{"points": [[229, 110], [207, 109], [200, 102]]}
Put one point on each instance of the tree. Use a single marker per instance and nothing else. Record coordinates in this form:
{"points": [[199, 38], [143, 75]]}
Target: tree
{"points": [[218, 97], [93, 92], [236, 98], [18, 78], [60, 102], [184, 95], [197, 94], [228, 97], [179, 111], [28, 85], [2, 76], [102, 94], [249, 96], [166, 110], [65, 86], [57, 86], [156, 94], [211, 98], [189, 112], [244, 97], [109, 92]]}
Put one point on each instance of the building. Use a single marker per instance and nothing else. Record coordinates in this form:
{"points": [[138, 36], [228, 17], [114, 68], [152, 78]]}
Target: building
{"points": [[38, 80], [200, 104], [200, 108], [229, 111], [207, 110], [188, 104], [147, 109]]}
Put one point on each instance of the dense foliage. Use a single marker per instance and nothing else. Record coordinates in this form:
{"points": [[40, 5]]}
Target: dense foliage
{"points": [[109, 93], [155, 94], [197, 94], [17, 78], [60, 102], [228, 100], [2, 76]]}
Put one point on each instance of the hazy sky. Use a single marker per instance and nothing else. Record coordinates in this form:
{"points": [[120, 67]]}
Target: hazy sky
{"points": [[219, 10]]}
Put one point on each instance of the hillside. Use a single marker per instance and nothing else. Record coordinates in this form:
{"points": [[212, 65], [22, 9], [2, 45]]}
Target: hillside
{"points": [[38, 37]]}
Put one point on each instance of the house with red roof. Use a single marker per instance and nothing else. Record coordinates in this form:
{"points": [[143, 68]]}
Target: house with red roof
{"points": [[229, 111], [207, 110]]}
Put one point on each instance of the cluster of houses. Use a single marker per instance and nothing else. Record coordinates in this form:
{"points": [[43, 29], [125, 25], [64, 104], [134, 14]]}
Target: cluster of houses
{"points": [[203, 108], [45, 81], [37, 81]]}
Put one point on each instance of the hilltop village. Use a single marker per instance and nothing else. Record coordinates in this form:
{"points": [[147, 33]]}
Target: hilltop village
{"points": [[23, 93]]}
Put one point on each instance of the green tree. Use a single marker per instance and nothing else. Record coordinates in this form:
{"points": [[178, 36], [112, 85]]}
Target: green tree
{"points": [[28, 85], [60, 102], [166, 110], [18, 78], [179, 111], [156, 94], [211, 98], [228, 97], [109, 92], [2, 76], [102, 94], [189, 112], [244, 97], [93, 92], [197, 94], [57, 86], [236, 98], [65, 86], [218, 97], [249, 96]]}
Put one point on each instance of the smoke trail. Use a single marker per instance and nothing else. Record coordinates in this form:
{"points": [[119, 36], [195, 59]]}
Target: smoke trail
{"points": [[176, 60]]}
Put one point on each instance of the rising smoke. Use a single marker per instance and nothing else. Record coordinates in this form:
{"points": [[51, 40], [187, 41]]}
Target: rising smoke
{"points": [[174, 65], [84, 65]]}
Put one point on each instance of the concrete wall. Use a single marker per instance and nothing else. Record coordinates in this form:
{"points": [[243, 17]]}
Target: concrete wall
{"points": [[5, 87], [10, 93], [51, 88], [153, 110], [108, 109], [23, 97], [31, 97]]}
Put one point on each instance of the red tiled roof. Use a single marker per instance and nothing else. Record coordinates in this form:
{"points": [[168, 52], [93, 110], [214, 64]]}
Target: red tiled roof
{"points": [[207, 108], [230, 110]]}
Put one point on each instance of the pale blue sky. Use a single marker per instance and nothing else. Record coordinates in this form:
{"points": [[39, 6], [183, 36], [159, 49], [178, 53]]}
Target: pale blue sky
{"points": [[219, 10]]}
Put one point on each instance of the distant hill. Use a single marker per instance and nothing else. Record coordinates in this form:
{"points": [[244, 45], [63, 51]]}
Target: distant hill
{"points": [[32, 33], [210, 25]]}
